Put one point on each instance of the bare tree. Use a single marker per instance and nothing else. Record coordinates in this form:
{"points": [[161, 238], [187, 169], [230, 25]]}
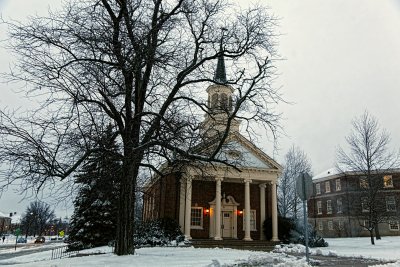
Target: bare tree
{"points": [[369, 158], [140, 66], [296, 162], [37, 216]]}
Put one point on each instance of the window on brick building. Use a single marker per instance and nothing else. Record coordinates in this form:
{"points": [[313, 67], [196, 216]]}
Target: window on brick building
{"points": [[390, 203], [318, 189], [394, 226], [320, 226], [364, 204], [339, 205], [387, 181], [319, 207], [196, 218], [338, 185], [329, 207], [327, 187], [330, 225], [364, 182], [340, 225]]}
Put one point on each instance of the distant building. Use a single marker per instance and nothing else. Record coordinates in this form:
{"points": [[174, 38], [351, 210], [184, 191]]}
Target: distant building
{"points": [[5, 223], [336, 208]]}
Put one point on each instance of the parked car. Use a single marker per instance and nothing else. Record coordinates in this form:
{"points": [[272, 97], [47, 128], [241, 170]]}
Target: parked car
{"points": [[21, 240], [40, 240]]}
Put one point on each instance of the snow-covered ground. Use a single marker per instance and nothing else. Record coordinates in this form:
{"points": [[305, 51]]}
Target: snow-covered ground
{"points": [[388, 248], [161, 256], [8, 246]]}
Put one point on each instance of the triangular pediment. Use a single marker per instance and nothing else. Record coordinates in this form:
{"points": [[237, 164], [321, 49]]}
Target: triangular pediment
{"points": [[242, 153], [252, 156]]}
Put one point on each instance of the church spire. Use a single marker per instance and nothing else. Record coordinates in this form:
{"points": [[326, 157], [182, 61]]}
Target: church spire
{"points": [[220, 72]]}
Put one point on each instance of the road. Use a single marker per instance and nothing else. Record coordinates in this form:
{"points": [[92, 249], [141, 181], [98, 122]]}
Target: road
{"points": [[24, 249]]}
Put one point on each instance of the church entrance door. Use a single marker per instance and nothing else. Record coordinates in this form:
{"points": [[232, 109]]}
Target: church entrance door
{"points": [[227, 224]]}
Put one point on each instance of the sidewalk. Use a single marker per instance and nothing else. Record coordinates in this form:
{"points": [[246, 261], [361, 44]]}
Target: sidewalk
{"points": [[319, 260]]}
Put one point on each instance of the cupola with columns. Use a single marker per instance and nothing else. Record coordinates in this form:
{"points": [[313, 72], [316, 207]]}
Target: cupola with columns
{"points": [[220, 102]]}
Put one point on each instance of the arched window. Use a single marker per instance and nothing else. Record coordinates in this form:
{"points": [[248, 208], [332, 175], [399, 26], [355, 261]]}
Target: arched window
{"points": [[214, 100], [224, 101]]}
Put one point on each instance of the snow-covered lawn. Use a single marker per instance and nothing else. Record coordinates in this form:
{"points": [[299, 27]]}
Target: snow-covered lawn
{"points": [[388, 248], [161, 256]]}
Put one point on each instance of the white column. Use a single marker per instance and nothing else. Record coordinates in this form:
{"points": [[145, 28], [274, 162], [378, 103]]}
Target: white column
{"points": [[217, 213], [247, 236], [188, 207], [274, 207], [262, 210], [182, 204]]}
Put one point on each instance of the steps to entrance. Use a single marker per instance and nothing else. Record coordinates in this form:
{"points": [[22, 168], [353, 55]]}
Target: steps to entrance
{"points": [[261, 245]]}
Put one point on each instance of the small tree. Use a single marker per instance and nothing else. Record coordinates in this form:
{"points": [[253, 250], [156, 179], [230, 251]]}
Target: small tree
{"points": [[37, 216], [369, 157], [296, 162], [95, 216]]}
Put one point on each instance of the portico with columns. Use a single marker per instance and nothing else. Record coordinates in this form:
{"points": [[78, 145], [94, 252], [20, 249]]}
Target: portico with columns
{"points": [[220, 203]]}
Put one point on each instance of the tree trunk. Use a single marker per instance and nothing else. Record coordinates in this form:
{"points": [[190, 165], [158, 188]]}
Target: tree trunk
{"points": [[125, 225], [377, 234], [371, 232]]}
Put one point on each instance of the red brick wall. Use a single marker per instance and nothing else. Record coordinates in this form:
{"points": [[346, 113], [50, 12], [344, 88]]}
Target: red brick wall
{"points": [[166, 194]]}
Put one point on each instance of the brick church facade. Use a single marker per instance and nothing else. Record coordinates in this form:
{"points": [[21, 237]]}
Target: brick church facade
{"points": [[218, 201]]}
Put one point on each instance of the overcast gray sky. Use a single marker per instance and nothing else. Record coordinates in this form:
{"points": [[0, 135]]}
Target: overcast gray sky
{"points": [[341, 57]]}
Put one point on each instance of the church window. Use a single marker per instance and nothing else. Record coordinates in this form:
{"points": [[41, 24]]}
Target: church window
{"points": [[224, 101], [252, 220], [214, 100], [196, 218], [233, 154]]}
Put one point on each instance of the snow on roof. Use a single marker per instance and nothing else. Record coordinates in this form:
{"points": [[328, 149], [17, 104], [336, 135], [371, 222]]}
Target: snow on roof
{"points": [[16, 219], [327, 173]]}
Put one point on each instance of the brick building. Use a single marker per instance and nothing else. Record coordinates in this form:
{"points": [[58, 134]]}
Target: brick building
{"points": [[212, 201], [339, 207], [5, 223]]}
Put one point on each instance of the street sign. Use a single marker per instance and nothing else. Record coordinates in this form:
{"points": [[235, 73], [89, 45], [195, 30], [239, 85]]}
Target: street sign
{"points": [[304, 186], [17, 232]]}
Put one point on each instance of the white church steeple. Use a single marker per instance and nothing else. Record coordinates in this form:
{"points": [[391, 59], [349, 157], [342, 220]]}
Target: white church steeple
{"points": [[220, 102]]}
